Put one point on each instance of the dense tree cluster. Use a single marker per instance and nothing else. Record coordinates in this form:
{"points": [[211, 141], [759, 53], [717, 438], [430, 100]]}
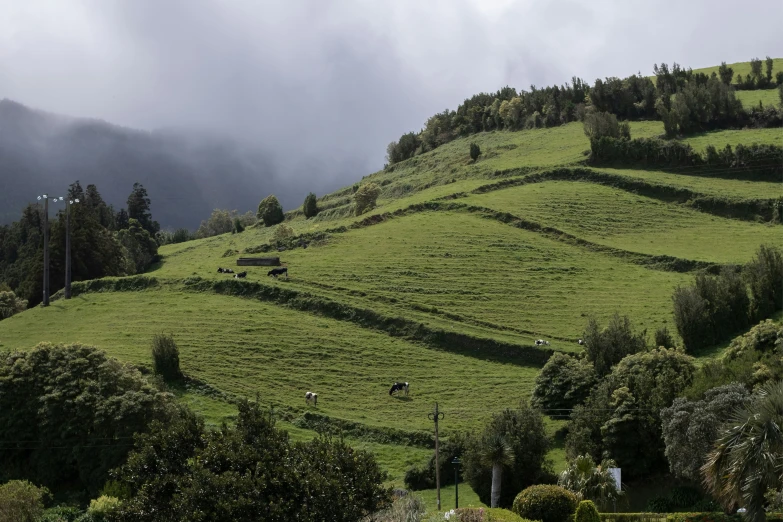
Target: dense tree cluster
{"points": [[103, 243], [72, 412], [684, 100], [180, 471]]}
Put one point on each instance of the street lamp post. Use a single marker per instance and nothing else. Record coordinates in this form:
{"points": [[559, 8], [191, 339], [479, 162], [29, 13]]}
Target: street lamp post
{"points": [[68, 246], [456, 463], [45, 199]]}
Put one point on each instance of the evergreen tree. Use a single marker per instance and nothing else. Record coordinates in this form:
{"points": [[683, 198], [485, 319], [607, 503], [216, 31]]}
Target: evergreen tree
{"points": [[310, 206], [270, 211], [139, 209], [726, 73]]}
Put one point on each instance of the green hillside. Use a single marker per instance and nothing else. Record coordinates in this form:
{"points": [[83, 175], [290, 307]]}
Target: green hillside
{"points": [[445, 284]]}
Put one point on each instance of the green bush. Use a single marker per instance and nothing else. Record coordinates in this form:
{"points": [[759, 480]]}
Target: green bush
{"points": [[366, 197], [270, 211], [633, 517], [586, 512], [103, 506], [502, 515], [546, 503], [61, 514], [165, 357], [475, 151], [21, 501], [310, 207]]}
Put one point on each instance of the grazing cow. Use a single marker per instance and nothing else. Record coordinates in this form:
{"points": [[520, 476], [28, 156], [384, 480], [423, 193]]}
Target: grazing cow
{"points": [[541, 342], [240, 274], [277, 271], [581, 341], [311, 397], [399, 386]]}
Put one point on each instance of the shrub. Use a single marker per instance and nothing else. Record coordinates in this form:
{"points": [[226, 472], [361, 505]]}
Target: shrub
{"points": [[366, 197], [586, 512], [546, 503], [165, 357], [103, 506], [409, 508], [564, 382], [310, 206], [475, 151], [603, 124], [61, 514], [282, 233], [270, 211], [663, 338], [10, 305], [238, 226], [21, 501]]}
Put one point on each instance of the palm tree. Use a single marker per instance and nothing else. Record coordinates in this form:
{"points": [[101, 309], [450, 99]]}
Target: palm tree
{"points": [[496, 452], [747, 458], [590, 482]]}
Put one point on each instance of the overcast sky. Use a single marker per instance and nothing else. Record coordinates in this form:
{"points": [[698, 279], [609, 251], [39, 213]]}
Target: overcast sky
{"points": [[338, 80]]}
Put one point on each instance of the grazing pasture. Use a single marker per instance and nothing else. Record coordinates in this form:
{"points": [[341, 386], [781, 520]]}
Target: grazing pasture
{"points": [[628, 221]]}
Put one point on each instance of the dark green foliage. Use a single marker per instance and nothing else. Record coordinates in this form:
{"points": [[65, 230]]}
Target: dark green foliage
{"points": [[121, 219], [523, 429], [270, 211], [10, 305], [564, 382], [140, 249], [586, 512], [753, 162], [752, 359], [61, 514], [475, 151], [714, 308], [252, 471], [725, 73], [80, 406], [663, 338], [21, 501], [310, 206], [165, 357], [764, 274], [547, 503], [139, 209], [180, 235], [238, 227], [768, 62], [621, 418], [600, 124], [691, 427], [607, 347], [755, 69]]}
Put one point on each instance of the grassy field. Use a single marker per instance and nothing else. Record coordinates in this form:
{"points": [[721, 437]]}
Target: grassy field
{"points": [[743, 68], [623, 220], [455, 270], [767, 97]]}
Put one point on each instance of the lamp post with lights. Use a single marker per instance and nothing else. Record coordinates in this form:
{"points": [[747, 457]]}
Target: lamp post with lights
{"points": [[68, 246], [45, 199]]}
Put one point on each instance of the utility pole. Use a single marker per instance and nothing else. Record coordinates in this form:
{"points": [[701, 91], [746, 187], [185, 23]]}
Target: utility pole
{"points": [[435, 416], [46, 250], [68, 246]]}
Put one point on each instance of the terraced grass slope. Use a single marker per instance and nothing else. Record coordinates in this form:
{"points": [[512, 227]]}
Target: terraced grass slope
{"points": [[445, 284]]}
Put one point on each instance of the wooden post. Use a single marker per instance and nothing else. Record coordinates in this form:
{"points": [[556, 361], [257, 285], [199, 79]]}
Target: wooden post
{"points": [[435, 417]]}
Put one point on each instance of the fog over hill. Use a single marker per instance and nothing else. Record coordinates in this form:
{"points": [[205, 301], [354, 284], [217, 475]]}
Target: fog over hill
{"points": [[186, 173]]}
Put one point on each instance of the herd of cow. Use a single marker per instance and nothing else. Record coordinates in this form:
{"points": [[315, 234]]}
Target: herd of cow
{"points": [[311, 397], [274, 272]]}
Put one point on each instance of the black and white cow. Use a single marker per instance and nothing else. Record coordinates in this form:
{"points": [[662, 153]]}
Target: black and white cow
{"points": [[225, 271], [541, 342], [581, 342], [311, 397], [278, 271], [240, 274], [399, 386]]}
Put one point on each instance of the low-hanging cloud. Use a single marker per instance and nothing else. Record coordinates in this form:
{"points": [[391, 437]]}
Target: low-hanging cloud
{"points": [[325, 85]]}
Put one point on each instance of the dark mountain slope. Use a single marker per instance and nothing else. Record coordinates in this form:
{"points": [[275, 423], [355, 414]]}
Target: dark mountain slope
{"points": [[186, 175]]}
